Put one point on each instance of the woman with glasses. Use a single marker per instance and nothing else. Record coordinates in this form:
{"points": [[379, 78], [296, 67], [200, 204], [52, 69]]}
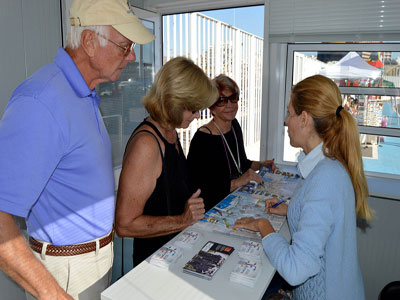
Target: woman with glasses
{"points": [[154, 199], [217, 159]]}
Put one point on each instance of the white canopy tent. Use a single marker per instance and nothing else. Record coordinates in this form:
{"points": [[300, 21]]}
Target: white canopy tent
{"points": [[352, 66]]}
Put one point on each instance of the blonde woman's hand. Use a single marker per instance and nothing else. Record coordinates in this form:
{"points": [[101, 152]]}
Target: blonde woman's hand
{"points": [[194, 209], [280, 210]]}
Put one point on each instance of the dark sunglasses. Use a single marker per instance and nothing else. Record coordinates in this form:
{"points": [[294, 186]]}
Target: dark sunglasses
{"points": [[221, 101]]}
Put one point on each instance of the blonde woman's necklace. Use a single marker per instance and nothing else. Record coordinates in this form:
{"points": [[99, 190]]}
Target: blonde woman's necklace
{"points": [[224, 141]]}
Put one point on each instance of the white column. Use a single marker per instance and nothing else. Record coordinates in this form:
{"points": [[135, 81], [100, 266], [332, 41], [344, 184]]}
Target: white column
{"points": [[193, 37], [217, 48], [187, 28], [203, 44], [174, 34], [208, 48], [252, 95], [167, 54], [180, 36]]}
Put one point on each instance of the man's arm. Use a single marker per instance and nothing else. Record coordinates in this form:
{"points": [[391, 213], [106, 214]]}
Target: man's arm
{"points": [[17, 261]]}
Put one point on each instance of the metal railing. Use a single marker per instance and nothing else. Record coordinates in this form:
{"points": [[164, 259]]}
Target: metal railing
{"points": [[218, 48]]}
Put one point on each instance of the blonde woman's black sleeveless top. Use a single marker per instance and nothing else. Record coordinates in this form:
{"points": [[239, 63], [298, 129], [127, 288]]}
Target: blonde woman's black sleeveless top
{"points": [[169, 196]]}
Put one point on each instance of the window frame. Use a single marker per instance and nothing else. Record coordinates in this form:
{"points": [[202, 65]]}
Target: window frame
{"points": [[378, 181], [347, 90]]}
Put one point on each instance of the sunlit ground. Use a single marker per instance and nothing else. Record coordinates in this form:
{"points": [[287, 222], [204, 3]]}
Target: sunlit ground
{"points": [[388, 157]]}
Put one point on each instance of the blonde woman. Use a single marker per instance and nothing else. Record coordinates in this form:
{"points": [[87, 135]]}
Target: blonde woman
{"points": [[321, 261], [154, 199]]}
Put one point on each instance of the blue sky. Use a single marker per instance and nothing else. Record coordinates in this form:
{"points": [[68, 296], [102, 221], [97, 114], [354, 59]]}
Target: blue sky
{"points": [[250, 19]]}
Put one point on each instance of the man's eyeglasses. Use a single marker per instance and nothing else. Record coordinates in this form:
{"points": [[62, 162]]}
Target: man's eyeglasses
{"points": [[234, 98], [127, 49]]}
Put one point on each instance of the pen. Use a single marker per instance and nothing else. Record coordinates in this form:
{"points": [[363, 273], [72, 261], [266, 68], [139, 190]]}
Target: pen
{"points": [[277, 203]]}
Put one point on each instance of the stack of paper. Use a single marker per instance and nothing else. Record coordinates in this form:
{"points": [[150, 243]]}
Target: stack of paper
{"points": [[251, 250], [166, 256], [246, 272], [187, 239], [208, 260]]}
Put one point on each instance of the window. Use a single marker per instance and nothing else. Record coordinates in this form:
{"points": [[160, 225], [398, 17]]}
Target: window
{"points": [[120, 104], [227, 41], [368, 76]]}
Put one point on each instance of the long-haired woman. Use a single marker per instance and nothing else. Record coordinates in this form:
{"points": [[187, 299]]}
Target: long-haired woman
{"points": [[321, 260]]}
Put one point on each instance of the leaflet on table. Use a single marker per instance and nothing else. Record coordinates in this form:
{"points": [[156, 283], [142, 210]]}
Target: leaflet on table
{"points": [[165, 256], [224, 215], [187, 239], [246, 272], [278, 184], [251, 250], [249, 201], [208, 260]]}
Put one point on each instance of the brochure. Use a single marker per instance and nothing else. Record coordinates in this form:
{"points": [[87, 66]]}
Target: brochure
{"points": [[208, 260], [249, 201], [246, 272], [187, 239], [251, 250], [165, 256]]}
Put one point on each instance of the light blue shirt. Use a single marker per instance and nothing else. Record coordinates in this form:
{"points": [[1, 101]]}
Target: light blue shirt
{"points": [[55, 157], [321, 260], [306, 163]]}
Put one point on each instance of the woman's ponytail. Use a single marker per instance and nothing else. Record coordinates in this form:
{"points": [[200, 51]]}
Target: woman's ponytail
{"points": [[321, 98]]}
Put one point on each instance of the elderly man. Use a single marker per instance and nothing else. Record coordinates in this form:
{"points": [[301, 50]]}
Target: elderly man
{"points": [[55, 159]]}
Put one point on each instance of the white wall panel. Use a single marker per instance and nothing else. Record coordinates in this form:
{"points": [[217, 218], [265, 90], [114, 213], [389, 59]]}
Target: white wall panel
{"points": [[12, 54], [339, 20], [379, 246], [41, 31], [31, 33]]}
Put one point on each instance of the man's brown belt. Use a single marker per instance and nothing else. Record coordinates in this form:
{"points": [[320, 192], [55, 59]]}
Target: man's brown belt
{"points": [[69, 250]]}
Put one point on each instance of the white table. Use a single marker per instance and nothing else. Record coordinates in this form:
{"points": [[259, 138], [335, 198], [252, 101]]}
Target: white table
{"points": [[148, 282]]}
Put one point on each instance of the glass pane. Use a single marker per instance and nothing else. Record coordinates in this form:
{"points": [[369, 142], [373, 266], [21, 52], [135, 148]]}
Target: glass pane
{"points": [[228, 41], [289, 153], [359, 69], [380, 153], [377, 111], [120, 104]]}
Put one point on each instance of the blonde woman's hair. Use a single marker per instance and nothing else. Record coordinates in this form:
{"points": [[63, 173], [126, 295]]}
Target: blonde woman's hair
{"points": [[320, 97], [179, 85]]}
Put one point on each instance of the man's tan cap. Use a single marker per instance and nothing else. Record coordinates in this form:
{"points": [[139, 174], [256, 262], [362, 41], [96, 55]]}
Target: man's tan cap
{"points": [[117, 13]]}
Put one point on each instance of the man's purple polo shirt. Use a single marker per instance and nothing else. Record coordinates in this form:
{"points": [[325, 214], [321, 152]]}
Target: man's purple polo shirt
{"points": [[55, 157]]}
